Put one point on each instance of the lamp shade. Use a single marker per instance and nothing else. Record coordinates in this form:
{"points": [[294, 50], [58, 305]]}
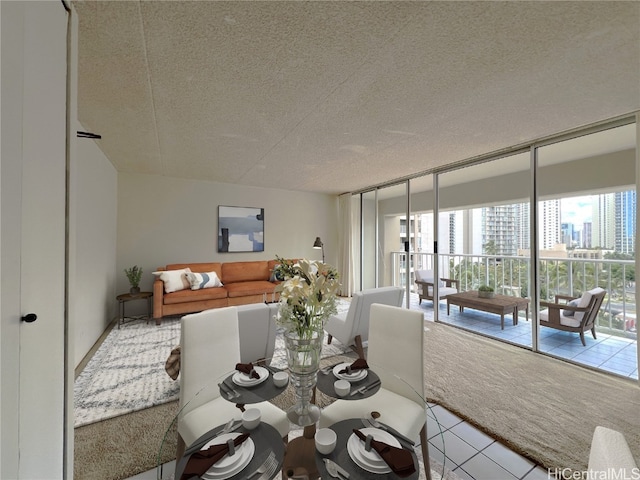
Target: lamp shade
{"points": [[318, 243]]}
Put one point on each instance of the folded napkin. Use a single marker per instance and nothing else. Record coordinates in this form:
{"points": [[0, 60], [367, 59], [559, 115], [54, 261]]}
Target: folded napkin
{"points": [[399, 460], [359, 364], [248, 369], [202, 460]]}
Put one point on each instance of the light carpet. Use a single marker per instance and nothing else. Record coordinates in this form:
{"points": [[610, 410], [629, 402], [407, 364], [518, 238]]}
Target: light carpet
{"points": [[540, 407]]}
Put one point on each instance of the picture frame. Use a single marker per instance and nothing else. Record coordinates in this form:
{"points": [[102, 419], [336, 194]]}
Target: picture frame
{"points": [[240, 229]]}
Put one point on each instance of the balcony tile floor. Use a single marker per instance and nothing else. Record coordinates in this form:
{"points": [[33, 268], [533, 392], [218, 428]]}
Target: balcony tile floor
{"points": [[608, 353]]}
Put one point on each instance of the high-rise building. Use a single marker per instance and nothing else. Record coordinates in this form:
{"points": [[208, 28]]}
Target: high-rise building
{"points": [[587, 237], [625, 221], [499, 227], [603, 229], [568, 234], [549, 228]]}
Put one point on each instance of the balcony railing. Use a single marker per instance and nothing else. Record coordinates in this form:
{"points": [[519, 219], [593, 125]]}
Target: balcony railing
{"points": [[510, 275]]}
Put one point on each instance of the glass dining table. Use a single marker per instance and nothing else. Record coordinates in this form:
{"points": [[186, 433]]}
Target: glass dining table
{"points": [[264, 454]]}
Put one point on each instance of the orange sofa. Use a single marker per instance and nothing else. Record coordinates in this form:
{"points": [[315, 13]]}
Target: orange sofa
{"points": [[242, 283]]}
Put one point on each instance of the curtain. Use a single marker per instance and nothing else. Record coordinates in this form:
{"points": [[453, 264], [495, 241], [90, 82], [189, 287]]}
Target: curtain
{"points": [[346, 261]]}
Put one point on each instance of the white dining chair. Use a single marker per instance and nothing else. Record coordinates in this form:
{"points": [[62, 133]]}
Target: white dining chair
{"points": [[352, 328], [210, 348], [257, 326], [396, 355]]}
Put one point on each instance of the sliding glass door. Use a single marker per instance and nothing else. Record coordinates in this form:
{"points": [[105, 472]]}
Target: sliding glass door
{"points": [[385, 233], [544, 221], [484, 225], [587, 232]]}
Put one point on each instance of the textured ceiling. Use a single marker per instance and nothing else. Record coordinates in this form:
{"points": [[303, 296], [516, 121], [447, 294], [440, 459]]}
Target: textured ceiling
{"points": [[338, 96]]}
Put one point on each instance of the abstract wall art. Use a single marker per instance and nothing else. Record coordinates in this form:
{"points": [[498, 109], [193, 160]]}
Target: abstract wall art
{"points": [[240, 229]]}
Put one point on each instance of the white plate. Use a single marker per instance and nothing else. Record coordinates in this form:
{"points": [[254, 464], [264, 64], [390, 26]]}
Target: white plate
{"points": [[228, 466], [355, 376], [245, 380], [370, 461]]}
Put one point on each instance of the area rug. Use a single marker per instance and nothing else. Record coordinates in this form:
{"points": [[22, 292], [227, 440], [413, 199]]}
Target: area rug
{"points": [[543, 408], [127, 373]]}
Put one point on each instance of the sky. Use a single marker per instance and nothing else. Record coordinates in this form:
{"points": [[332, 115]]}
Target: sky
{"points": [[576, 210]]}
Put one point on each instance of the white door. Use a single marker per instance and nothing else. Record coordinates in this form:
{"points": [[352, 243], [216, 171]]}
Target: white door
{"points": [[35, 169]]}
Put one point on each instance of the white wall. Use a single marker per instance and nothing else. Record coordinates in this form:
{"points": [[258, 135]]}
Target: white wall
{"points": [[165, 220], [94, 190]]}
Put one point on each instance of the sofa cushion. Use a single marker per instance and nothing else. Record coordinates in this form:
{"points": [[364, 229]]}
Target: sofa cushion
{"points": [[203, 280], [275, 276], [243, 289], [185, 296], [198, 267], [572, 303], [233, 272], [174, 280]]}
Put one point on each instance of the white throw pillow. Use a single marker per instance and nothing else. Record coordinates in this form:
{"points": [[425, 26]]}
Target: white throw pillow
{"points": [[571, 313], [174, 280], [203, 280]]}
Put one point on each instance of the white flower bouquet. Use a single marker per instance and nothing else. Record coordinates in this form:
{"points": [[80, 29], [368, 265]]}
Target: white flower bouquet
{"points": [[308, 295]]}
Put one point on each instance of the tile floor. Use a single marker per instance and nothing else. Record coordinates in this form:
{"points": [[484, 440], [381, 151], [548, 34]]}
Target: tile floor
{"points": [[468, 452], [473, 455]]}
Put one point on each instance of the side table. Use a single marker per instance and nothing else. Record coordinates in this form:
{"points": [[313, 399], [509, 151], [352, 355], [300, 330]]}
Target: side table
{"points": [[127, 297]]}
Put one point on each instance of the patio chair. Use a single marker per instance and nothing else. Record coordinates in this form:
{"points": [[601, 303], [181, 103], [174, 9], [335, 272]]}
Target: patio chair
{"points": [[352, 328], [425, 283], [573, 314]]}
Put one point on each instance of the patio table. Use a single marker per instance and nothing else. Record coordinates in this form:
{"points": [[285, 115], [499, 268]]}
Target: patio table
{"points": [[498, 304]]}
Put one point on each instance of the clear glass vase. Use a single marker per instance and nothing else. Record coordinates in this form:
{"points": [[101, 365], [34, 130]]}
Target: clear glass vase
{"points": [[303, 359]]}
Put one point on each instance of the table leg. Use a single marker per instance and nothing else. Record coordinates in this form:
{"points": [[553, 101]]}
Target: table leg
{"points": [[121, 319], [502, 321], [300, 454], [515, 315], [448, 304]]}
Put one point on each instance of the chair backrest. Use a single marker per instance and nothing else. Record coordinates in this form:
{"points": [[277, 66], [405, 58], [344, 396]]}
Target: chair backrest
{"points": [[210, 348], [396, 343], [424, 275], [391, 296], [257, 330], [353, 313], [594, 303]]}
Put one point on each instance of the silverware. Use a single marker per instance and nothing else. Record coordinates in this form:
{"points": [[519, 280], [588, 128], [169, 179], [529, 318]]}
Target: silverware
{"points": [[335, 470], [228, 428], [227, 390], [372, 422], [270, 464], [327, 370], [365, 388], [229, 385]]}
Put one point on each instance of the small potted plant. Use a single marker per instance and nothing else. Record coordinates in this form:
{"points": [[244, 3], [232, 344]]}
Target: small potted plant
{"points": [[134, 274], [486, 291]]}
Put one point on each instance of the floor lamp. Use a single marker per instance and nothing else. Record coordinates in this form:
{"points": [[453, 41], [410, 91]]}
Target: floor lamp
{"points": [[318, 244]]}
